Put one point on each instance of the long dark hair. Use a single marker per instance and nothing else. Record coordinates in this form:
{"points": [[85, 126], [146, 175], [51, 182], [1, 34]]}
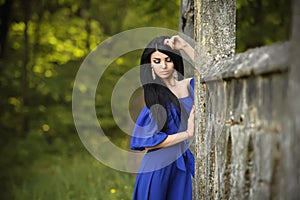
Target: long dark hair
{"points": [[155, 90]]}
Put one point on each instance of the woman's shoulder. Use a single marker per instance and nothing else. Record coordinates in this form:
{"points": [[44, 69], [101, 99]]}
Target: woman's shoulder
{"points": [[187, 82]]}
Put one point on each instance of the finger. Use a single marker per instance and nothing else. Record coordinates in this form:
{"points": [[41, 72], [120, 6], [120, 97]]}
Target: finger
{"points": [[192, 114], [166, 41], [169, 43], [172, 39]]}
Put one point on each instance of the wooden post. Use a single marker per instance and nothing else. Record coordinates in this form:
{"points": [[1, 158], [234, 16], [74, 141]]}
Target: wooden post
{"points": [[215, 32]]}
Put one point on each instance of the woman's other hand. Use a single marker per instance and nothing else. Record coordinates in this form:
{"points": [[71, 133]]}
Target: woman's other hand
{"points": [[190, 124], [176, 42]]}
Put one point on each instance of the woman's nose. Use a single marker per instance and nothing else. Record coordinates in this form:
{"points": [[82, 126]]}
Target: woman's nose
{"points": [[163, 65]]}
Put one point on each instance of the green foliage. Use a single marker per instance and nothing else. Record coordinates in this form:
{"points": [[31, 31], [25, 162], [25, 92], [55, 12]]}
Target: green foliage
{"points": [[47, 41], [262, 22], [152, 13], [45, 45]]}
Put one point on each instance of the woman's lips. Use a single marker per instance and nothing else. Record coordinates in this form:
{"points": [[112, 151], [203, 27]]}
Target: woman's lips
{"points": [[164, 72]]}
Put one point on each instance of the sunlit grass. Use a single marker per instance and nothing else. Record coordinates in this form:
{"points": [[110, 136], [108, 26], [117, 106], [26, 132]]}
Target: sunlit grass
{"points": [[39, 170]]}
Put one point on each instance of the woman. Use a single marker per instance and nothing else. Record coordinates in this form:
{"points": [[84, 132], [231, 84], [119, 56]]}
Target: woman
{"points": [[166, 123]]}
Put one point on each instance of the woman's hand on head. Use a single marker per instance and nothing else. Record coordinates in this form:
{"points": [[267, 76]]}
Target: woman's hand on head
{"points": [[176, 42]]}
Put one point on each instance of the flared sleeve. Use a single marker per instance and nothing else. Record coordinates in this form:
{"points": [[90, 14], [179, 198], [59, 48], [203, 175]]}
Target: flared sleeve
{"points": [[145, 133]]}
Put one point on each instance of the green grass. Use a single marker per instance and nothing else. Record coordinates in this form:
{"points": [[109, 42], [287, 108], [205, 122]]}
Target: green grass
{"points": [[33, 169]]}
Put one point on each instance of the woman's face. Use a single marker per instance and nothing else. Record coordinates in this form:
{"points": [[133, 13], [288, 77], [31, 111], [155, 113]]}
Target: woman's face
{"points": [[162, 64]]}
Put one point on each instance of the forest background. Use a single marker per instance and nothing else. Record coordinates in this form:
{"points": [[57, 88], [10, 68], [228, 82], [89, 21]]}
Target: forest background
{"points": [[43, 43]]}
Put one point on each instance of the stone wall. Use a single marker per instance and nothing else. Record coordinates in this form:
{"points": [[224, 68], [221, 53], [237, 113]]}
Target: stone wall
{"points": [[247, 143], [240, 152]]}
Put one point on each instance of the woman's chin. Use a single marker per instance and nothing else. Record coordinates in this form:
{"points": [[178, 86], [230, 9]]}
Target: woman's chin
{"points": [[164, 76]]}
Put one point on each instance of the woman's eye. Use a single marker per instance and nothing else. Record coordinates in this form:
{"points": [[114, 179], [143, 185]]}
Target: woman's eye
{"points": [[156, 61], [168, 59]]}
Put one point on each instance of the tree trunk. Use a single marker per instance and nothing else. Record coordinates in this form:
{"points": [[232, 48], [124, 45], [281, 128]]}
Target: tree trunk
{"points": [[87, 17], [25, 81], [5, 21]]}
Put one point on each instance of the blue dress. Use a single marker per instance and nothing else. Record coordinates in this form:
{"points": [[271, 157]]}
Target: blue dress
{"points": [[165, 173]]}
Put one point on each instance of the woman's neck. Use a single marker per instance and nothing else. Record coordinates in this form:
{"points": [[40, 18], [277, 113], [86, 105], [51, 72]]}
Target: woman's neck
{"points": [[170, 82]]}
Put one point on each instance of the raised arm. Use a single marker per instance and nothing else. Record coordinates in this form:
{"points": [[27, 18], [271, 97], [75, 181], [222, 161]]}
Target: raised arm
{"points": [[176, 42]]}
